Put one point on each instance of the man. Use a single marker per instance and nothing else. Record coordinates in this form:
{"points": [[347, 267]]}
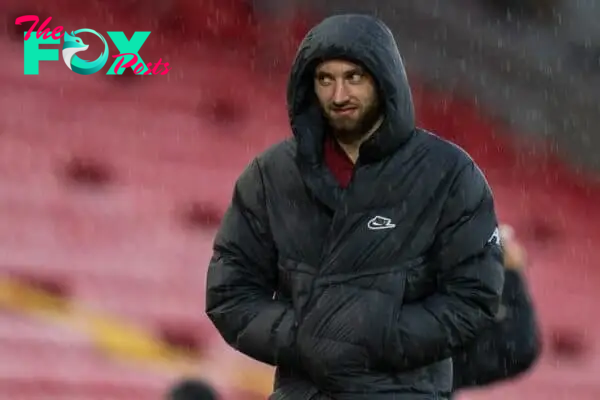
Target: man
{"points": [[512, 345], [360, 254]]}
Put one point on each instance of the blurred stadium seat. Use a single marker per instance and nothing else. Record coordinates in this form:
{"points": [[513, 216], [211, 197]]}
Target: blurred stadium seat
{"points": [[110, 195]]}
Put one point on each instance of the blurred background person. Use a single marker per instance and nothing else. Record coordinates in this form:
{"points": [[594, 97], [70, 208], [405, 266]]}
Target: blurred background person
{"points": [[190, 389], [511, 347]]}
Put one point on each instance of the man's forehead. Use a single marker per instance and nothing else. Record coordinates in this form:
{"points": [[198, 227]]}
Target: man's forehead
{"points": [[337, 66]]}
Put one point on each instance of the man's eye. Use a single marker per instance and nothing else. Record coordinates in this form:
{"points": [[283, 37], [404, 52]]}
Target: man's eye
{"points": [[325, 80], [356, 77]]}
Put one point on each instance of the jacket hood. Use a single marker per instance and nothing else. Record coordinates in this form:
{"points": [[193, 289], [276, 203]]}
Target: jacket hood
{"points": [[365, 40]]}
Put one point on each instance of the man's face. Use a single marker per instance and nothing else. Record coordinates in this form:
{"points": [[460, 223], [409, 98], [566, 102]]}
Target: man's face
{"points": [[348, 97]]}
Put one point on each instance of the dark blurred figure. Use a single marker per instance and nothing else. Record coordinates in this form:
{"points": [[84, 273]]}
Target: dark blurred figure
{"points": [[192, 390], [512, 346], [532, 9], [275, 20], [581, 28]]}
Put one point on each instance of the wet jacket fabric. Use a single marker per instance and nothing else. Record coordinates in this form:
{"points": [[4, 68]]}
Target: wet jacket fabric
{"points": [[363, 292], [506, 350]]}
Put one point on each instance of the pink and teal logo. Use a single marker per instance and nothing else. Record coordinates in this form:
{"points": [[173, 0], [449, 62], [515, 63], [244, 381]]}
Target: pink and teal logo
{"points": [[128, 56]]}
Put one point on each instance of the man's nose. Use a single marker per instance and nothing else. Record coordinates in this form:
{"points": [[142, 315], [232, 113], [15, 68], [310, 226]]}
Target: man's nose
{"points": [[341, 94]]}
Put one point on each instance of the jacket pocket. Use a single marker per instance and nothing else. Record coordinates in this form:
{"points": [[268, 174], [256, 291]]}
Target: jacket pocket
{"points": [[295, 280], [347, 323]]}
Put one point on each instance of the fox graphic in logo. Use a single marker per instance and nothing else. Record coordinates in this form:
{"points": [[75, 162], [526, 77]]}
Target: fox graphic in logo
{"points": [[73, 45]]}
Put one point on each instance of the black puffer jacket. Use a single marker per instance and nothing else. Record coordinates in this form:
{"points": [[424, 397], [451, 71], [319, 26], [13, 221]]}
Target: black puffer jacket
{"points": [[362, 293]]}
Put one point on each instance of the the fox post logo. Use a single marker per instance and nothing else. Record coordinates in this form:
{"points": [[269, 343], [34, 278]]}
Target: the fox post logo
{"points": [[128, 56]]}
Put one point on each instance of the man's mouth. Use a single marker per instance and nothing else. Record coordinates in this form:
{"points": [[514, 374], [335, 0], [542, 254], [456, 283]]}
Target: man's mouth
{"points": [[344, 111]]}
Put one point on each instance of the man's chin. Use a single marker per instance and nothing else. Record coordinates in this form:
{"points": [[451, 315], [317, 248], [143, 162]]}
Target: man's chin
{"points": [[345, 125], [345, 128], [346, 135]]}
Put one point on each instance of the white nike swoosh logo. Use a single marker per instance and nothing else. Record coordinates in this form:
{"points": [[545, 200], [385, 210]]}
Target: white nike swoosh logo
{"points": [[379, 223]]}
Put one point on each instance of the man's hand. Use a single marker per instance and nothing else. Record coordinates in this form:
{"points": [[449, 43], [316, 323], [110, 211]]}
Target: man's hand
{"points": [[515, 256]]}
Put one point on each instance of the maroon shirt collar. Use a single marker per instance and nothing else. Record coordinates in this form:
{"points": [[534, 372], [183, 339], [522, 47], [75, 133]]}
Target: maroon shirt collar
{"points": [[338, 162]]}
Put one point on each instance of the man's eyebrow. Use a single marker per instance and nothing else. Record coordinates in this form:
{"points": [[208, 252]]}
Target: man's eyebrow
{"points": [[352, 71], [320, 74], [356, 70]]}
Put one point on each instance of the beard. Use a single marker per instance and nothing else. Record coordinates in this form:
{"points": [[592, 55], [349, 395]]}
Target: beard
{"points": [[352, 128]]}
